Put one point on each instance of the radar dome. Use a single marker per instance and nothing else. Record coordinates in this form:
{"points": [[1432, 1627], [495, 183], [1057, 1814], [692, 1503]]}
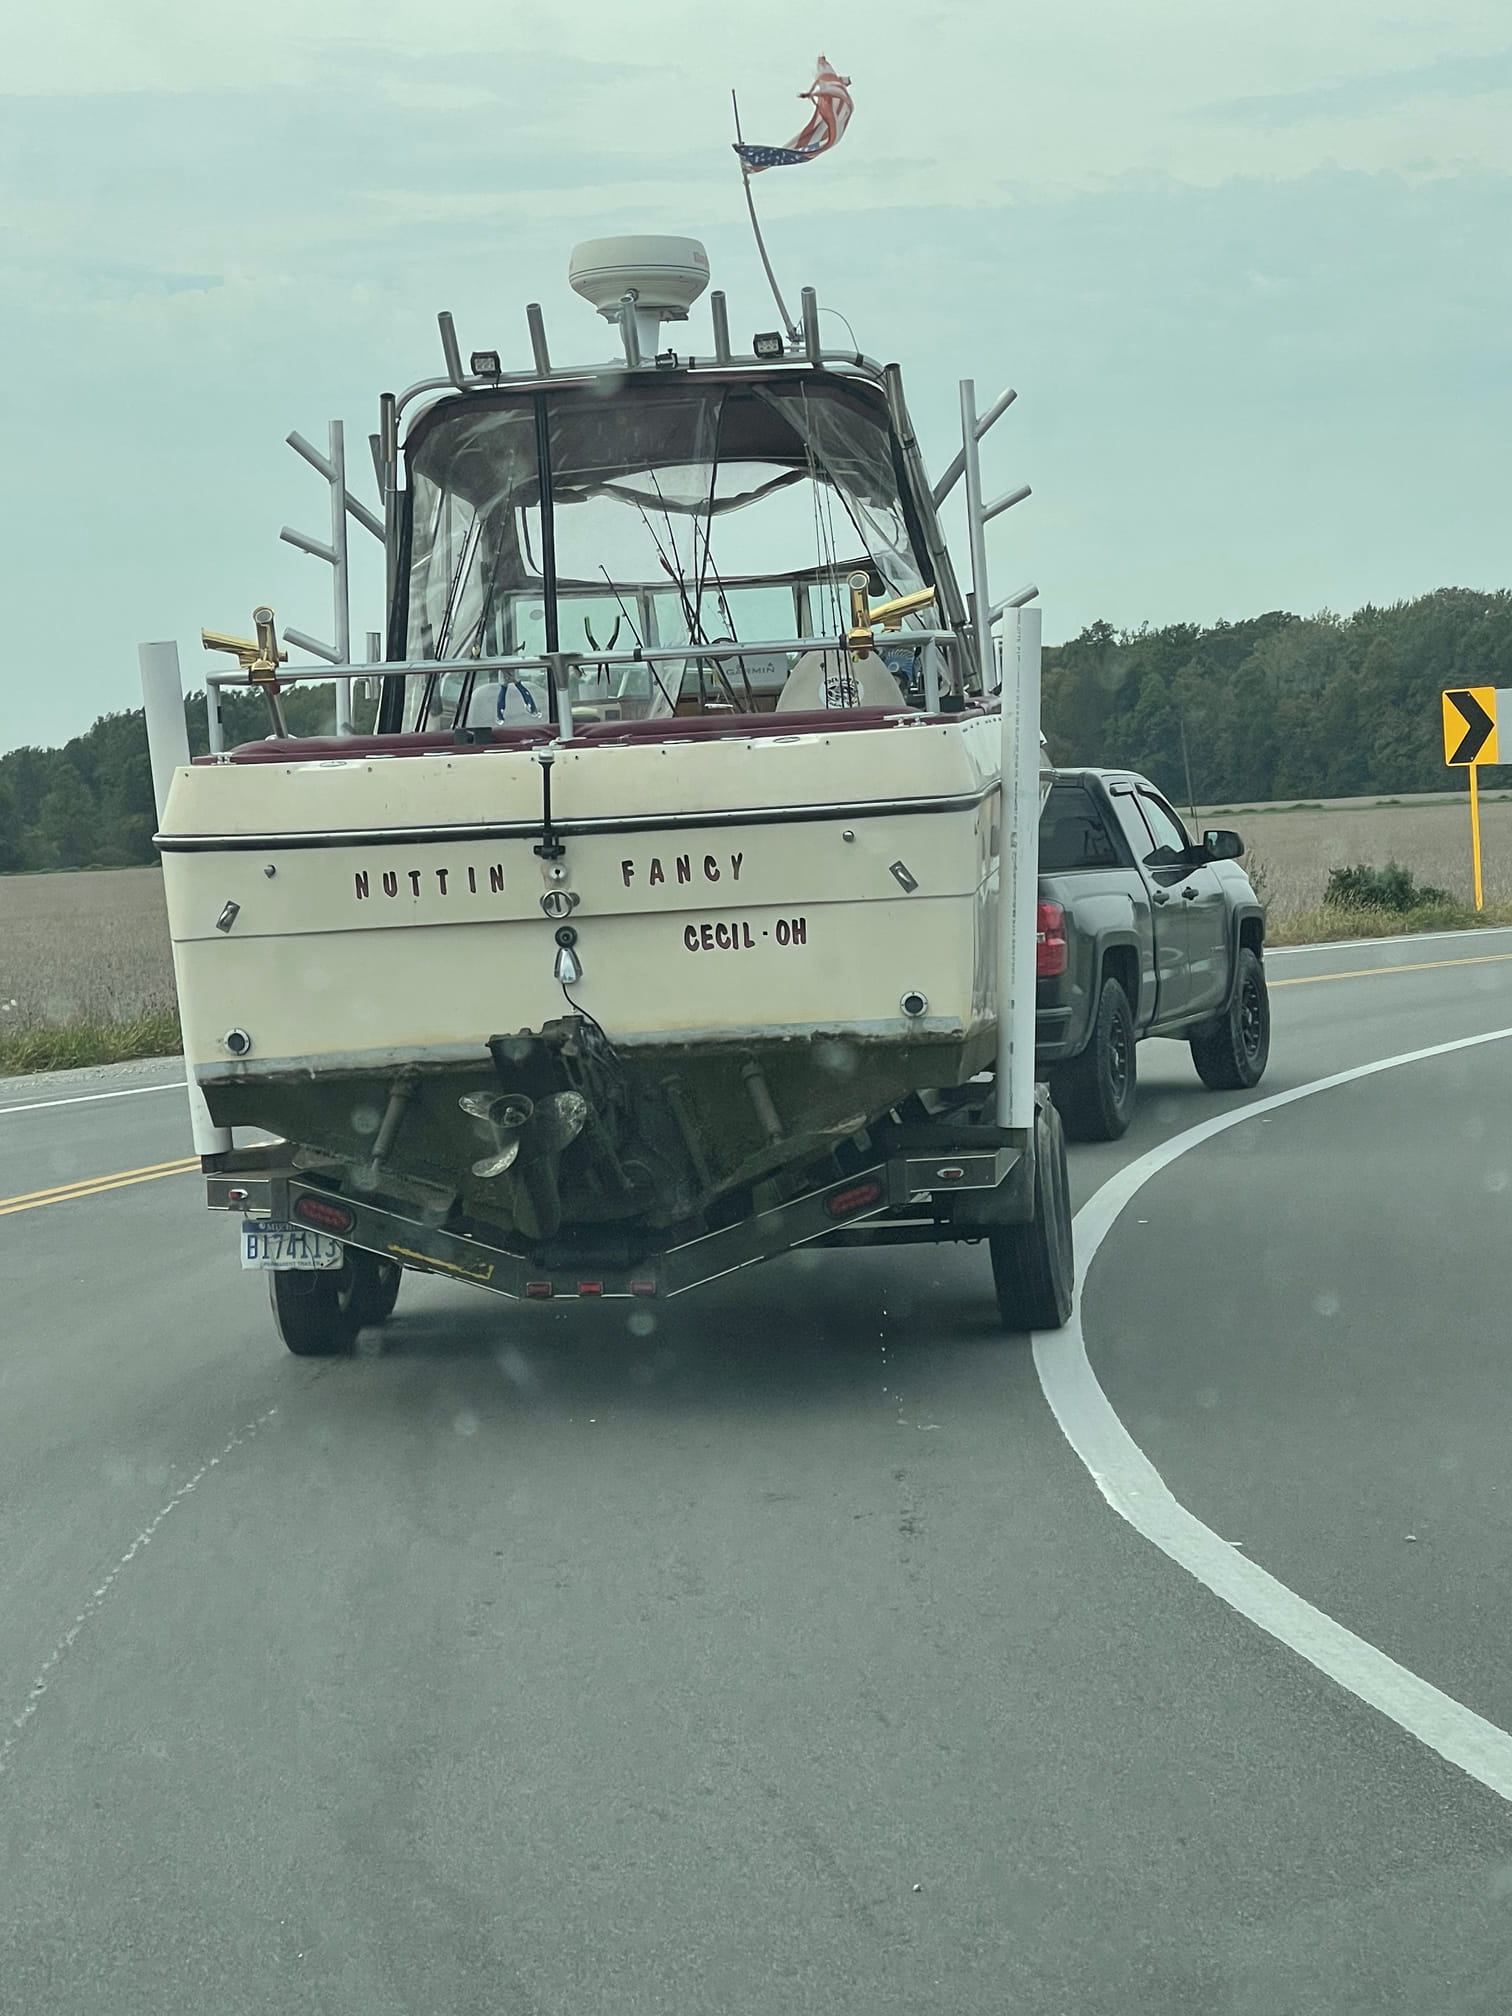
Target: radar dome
{"points": [[666, 275]]}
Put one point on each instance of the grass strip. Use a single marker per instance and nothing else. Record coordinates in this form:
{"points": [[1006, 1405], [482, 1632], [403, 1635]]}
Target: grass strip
{"points": [[84, 1043], [1332, 922]]}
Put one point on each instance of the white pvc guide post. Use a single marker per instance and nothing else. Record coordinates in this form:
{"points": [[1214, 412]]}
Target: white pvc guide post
{"points": [[1018, 867], [168, 751], [163, 704]]}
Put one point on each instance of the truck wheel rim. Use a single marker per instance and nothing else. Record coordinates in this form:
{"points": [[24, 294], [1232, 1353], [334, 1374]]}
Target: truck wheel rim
{"points": [[1251, 1019], [1118, 1059]]}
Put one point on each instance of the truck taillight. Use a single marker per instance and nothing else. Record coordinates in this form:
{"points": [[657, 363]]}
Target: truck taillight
{"points": [[1049, 941]]}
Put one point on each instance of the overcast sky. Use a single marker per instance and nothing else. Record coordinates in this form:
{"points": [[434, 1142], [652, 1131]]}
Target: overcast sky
{"points": [[1247, 267]]}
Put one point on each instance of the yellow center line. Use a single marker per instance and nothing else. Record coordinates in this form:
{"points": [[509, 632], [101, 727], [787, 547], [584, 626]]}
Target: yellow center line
{"points": [[95, 1186], [1375, 972]]}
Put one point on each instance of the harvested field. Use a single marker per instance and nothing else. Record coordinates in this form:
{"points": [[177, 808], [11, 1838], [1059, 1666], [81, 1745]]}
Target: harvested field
{"points": [[88, 948], [88, 951], [1293, 848]]}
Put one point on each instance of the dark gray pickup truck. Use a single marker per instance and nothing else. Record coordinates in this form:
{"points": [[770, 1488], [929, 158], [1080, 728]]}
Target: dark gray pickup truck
{"points": [[1142, 932]]}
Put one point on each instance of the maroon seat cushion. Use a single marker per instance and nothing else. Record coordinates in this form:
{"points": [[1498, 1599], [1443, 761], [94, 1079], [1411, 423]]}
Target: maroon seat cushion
{"points": [[432, 742], [741, 727]]}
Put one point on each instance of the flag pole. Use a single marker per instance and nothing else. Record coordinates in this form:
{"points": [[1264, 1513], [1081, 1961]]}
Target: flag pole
{"points": [[788, 324]]}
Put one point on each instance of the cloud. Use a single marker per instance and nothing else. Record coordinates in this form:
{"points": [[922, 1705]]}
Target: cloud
{"points": [[1369, 94], [125, 283]]}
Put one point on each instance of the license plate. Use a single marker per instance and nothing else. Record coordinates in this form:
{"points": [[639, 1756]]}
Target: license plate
{"points": [[267, 1243]]}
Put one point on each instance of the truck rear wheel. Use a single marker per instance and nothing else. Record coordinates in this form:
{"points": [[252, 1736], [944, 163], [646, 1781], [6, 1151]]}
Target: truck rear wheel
{"points": [[1095, 1091], [1033, 1265], [1231, 1054]]}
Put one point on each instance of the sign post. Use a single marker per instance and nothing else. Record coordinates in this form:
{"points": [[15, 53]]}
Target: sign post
{"points": [[1471, 714]]}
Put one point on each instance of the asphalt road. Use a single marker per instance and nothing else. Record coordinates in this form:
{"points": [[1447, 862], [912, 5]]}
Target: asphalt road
{"points": [[784, 1656]]}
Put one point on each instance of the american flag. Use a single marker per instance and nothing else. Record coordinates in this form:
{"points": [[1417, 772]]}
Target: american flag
{"points": [[830, 97]]}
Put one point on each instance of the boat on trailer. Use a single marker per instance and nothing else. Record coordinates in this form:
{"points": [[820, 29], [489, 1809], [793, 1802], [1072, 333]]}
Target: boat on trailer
{"points": [[665, 898]]}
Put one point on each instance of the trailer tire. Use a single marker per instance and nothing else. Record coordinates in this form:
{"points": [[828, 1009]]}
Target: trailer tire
{"points": [[1033, 1264], [1231, 1054], [312, 1309], [1095, 1091], [376, 1287]]}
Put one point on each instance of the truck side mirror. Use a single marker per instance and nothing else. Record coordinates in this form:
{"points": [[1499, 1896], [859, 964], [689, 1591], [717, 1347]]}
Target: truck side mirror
{"points": [[1220, 844]]}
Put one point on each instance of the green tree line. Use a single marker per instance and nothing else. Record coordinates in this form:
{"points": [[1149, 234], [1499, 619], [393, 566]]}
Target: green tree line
{"points": [[1275, 707], [1280, 706], [90, 805]]}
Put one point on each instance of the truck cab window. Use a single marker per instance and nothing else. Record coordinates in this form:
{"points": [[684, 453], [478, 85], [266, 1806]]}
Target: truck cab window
{"points": [[1073, 833], [1167, 831]]}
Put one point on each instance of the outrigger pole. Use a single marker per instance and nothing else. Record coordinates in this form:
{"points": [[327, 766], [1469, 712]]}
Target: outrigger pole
{"points": [[789, 325]]}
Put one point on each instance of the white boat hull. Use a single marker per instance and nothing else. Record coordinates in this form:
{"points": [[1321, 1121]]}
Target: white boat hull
{"points": [[818, 910]]}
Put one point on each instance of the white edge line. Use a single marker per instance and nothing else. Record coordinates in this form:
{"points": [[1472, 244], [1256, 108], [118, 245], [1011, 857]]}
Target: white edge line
{"points": [[1401, 938], [89, 1098], [1136, 1491]]}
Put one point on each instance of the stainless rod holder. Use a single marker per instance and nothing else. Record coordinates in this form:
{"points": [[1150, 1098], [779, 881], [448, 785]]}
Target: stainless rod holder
{"points": [[995, 413], [449, 348], [721, 317], [1006, 502], [809, 310], [536, 323], [303, 642]]}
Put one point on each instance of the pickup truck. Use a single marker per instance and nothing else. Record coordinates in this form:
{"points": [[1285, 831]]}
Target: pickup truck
{"points": [[1142, 932]]}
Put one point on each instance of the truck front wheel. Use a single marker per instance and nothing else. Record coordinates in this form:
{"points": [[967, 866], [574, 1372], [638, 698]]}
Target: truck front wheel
{"points": [[1095, 1091], [1033, 1265], [1231, 1054]]}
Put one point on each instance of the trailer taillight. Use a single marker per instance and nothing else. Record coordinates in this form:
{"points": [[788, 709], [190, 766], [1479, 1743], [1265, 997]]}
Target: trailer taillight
{"points": [[322, 1211], [846, 1203], [1049, 941]]}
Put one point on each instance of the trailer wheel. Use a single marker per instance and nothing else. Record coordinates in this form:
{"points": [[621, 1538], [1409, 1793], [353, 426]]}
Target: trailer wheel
{"points": [[312, 1309], [1095, 1091], [1231, 1054], [1033, 1265], [319, 1311], [376, 1288]]}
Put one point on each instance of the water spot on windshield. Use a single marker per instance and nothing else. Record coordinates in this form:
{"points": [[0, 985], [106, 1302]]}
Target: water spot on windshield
{"points": [[517, 1368]]}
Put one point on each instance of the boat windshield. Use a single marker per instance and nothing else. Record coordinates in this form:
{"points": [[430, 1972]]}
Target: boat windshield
{"points": [[658, 515]]}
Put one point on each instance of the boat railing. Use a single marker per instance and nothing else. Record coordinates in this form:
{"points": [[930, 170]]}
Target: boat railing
{"points": [[557, 669]]}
